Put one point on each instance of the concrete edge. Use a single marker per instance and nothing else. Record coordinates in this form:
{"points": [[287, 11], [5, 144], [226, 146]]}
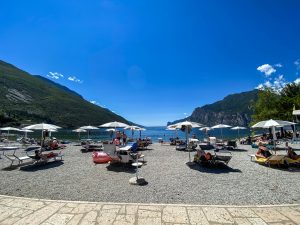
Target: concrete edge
{"points": [[151, 204]]}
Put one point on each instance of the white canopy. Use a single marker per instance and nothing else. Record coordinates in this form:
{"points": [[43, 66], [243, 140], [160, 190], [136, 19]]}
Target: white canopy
{"points": [[111, 129], [88, 128], [42, 126], [238, 128], [9, 129], [272, 123], [296, 112], [26, 131], [79, 130], [185, 123], [220, 126], [114, 124], [205, 128], [132, 128]]}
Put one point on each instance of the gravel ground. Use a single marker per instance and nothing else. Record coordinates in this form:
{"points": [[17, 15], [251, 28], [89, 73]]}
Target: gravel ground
{"points": [[170, 180]]}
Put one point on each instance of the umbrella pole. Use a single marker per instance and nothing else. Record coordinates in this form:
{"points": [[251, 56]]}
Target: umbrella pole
{"points": [[222, 134], [186, 129]]}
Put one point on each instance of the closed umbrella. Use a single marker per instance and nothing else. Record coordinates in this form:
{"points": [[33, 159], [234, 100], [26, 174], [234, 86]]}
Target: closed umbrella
{"points": [[220, 126], [238, 129]]}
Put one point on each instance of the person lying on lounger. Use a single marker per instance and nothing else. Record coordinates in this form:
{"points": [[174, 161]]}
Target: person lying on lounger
{"points": [[263, 151], [292, 154], [38, 155]]}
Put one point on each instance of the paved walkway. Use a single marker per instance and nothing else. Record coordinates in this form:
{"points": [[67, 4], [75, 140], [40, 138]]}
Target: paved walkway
{"points": [[19, 211]]}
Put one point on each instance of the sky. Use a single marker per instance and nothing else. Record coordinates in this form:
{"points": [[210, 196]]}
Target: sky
{"points": [[154, 61]]}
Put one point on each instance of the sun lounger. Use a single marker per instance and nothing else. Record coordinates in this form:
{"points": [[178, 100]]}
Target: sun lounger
{"points": [[13, 158], [46, 157]]}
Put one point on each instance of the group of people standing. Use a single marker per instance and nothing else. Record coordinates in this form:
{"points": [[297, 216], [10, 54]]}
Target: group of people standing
{"points": [[120, 136]]}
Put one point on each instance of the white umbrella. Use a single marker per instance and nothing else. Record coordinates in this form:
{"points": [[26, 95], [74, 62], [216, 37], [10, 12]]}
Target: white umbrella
{"points": [[238, 129], [205, 128], [111, 129], [173, 128], [132, 128], [42, 127], [9, 129], [141, 129], [88, 128], [79, 131], [114, 124], [26, 131], [187, 125], [220, 126], [272, 124]]}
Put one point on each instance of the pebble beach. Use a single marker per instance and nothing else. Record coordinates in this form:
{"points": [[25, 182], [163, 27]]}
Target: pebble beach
{"points": [[170, 180]]}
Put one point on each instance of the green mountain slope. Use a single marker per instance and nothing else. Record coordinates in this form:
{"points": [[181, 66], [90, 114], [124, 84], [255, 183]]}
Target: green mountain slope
{"points": [[28, 99], [235, 110]]}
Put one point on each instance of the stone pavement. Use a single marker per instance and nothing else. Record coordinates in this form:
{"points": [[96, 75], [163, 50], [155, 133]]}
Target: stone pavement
{"points": [[18, 211]]}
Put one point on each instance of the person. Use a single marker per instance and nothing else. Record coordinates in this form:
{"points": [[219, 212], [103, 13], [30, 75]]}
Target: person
{"points": [[124, 136], [292, 154], [194, 136], [118, 135], [263, 151], [38, 155]]}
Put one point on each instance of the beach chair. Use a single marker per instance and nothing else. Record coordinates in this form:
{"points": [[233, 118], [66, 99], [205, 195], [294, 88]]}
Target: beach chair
{"points": [[14, 158], [110, 149]]}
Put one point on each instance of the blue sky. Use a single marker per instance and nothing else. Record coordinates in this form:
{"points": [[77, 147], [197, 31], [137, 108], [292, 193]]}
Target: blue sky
{"points": [[153, 61]]}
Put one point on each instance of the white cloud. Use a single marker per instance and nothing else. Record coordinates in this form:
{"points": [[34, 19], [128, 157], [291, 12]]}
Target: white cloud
{"points": [[279, 65], [268, 84], [55, 75], [74, 79], [279, 83], [297, 81], [260, 87], [266, 69], [94, 102]]}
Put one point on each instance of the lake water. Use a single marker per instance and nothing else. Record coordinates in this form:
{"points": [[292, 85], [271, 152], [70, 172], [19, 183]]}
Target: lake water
{"points": [[153, 132]]}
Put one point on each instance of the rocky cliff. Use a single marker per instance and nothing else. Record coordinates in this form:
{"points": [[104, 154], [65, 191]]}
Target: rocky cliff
{"points": [[234, 110]]}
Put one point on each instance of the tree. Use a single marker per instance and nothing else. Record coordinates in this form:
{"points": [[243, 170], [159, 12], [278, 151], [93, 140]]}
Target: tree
{"points": [[279, 105]]}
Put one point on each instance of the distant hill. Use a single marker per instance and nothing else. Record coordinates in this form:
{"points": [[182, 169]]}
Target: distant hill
{"points": [[27, 99], [234, 110]]}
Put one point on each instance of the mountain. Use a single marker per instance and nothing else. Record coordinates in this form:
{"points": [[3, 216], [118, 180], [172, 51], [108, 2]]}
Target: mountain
{"points": [[27, 99], [234, 110]]}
